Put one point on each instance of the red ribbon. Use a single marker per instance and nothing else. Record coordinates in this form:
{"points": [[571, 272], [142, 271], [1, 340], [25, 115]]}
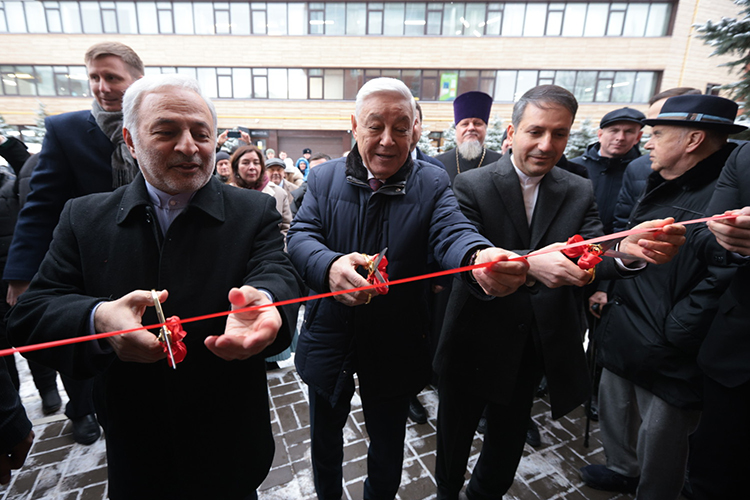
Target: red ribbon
{"points": [[96, 336], [589, 254], [373, 279], [179, 349]]}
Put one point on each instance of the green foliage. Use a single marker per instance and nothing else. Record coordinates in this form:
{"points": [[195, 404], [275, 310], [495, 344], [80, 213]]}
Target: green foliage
{"points": [[449, 139], [731, 37], [580, 139], [495, 131], [38, 129], [425, 144]]}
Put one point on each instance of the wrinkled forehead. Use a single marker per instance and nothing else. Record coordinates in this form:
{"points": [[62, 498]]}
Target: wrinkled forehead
{"points": [[384, 104]]}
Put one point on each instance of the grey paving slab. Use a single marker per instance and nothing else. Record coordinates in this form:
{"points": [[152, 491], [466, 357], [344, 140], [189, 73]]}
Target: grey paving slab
{"points": [[60, 469]]}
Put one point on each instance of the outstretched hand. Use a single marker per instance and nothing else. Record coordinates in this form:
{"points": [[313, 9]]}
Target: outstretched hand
{"points": [[655, 247], [249, 332], [733, 234]]}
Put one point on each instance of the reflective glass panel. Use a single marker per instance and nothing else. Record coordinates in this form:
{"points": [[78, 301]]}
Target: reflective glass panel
{"points": [[35, 19], [513, 19], [334, 84], [109, 21], [203, 14], [356, 19], [616, 20], [526, 80], [575, 16], [277, 84], [222, 22], [622, 87], [596, 19], [297, 84], [126, 18], [375, 22], [658, 19], [92, 21], [394, 19], [453, 19], [585, 86], [645, 82], [335, 19], [505, 86], [242, 83], [26, 81], [554, 23], [78, 81], [147, 20], [415, 19], [635, 20], [183, 18], [207, 80], [536, 14], [54, 23], [71, 17], [240, 17], [45, 82], [297, 18], [10, 85], [276, 19], [475, 16]]}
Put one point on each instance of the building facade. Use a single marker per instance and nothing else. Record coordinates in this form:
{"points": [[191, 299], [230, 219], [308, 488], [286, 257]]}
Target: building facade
{"points": [[289, 71]]}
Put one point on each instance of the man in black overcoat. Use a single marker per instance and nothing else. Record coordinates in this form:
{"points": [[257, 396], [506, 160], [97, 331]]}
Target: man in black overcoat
{"points": [[201, 430]]}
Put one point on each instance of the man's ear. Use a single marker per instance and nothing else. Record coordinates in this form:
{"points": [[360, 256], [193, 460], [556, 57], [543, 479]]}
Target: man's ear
{"points": [[511, 133], [695, 139], [129, 142], [354, 127]]}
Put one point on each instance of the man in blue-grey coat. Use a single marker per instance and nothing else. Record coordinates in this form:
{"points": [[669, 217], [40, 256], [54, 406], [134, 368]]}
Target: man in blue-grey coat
{"points": [[374, 198]]}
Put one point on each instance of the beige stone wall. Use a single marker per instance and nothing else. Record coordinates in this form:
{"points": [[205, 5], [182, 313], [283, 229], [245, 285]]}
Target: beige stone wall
{"points": [[682, 58]]}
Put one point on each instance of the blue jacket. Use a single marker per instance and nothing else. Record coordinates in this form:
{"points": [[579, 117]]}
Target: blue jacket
{"points": [[75, 160], [413, 214]]}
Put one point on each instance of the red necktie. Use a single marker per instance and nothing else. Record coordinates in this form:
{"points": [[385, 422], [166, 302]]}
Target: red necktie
{"points": [[374, 183]]}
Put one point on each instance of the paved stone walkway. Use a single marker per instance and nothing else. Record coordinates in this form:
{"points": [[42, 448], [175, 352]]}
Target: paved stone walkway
{"points": [[58, 468]]}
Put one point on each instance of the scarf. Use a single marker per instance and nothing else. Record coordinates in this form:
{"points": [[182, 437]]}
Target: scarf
{"points": [[124, 166]]}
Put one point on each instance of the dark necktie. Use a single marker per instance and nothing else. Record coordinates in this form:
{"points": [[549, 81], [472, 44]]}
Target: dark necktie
{"points": [[374, 183]]}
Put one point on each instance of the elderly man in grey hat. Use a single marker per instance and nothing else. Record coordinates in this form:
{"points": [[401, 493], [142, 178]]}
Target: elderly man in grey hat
{"points": [[471, 112], [650, 394]]}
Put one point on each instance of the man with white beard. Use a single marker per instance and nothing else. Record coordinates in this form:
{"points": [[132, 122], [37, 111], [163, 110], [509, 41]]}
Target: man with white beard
{"points": [[471, 112]]}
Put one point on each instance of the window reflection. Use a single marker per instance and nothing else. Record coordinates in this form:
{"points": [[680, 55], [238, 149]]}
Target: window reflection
{"points": [[343, 84], [340, 18]]}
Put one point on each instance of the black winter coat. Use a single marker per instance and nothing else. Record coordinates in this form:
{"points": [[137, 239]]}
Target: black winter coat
{"points": [[651, 328]]}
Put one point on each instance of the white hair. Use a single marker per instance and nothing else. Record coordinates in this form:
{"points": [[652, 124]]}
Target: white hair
{"points": [[131, 101], [384, 85]]}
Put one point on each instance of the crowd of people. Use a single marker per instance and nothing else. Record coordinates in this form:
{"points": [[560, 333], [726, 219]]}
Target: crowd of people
{"points": [[129, 203]]}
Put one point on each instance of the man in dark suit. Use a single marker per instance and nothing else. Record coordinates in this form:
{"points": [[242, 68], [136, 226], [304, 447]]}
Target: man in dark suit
{"points": [[718, 450], [83, 152], [494, 353], [377, 197], [201, 430], [471, 114]]}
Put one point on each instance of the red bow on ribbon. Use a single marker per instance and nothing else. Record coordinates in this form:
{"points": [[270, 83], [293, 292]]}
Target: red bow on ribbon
{"points": [[589, 254], [373, 279], [179, 350]]}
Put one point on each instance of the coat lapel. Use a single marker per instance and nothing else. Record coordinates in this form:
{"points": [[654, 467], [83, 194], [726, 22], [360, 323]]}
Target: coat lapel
{"points": [[509, 189], [551, 196]]}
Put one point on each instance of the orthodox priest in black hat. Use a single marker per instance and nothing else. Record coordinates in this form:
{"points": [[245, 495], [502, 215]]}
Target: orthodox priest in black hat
{"points": [[471, 112]]}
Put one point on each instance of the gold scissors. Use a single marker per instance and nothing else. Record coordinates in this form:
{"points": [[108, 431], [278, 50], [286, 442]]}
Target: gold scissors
{"points": [[165, 336]]}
